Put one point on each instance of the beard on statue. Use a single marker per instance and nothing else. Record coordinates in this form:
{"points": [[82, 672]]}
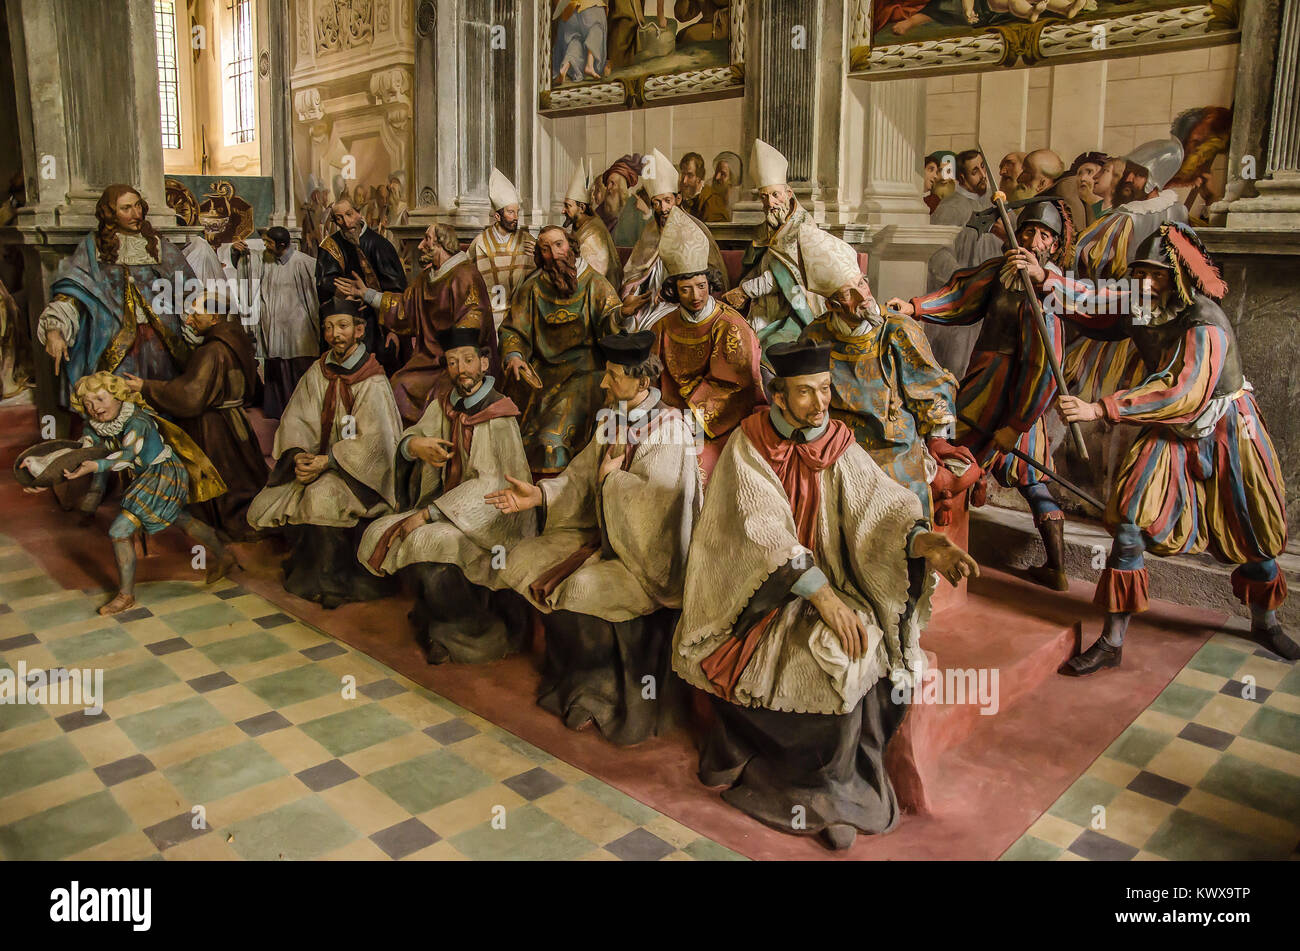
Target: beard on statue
{"points": [[563, 271]]}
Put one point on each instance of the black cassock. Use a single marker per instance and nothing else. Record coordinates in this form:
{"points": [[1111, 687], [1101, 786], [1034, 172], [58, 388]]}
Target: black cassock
{"points": [[374, 259]]}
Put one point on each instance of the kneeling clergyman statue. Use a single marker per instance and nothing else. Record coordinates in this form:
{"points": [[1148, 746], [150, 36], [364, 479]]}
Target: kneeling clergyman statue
{"points": [[810, 583], [608, 569], [447, 544], [333, 465]]}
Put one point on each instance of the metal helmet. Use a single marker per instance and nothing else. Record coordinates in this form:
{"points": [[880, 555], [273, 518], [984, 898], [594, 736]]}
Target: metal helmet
{"points": [[1043, 213], [1162, 158], [1154, 250]]}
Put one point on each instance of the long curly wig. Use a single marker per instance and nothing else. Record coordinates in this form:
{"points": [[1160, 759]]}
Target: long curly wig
{"points": [[106, 237]]}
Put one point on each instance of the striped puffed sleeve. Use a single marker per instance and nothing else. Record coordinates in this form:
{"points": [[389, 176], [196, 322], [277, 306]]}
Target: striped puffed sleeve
{"points": [[1181, 391]]}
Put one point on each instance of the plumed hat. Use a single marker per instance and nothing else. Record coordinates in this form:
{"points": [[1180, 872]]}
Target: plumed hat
{"points": [[1176, 247]]}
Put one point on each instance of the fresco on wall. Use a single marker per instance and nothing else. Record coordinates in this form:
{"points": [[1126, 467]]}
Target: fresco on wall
{"points": [[602, 53], [935, 37], [222, 202], [1204, 133]]}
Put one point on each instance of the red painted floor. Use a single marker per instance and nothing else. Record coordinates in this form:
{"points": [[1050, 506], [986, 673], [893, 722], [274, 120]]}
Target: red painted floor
{"points": [[985, 791]]}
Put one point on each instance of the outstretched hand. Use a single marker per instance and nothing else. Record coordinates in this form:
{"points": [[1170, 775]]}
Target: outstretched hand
{"points": [[86, 468], [943, 556], [519, 496]]}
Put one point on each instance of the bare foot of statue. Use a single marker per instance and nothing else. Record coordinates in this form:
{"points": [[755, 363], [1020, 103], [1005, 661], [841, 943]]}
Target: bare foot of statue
{"points": [[121, 602], [1097, 657], [902, 26], [590, 68]]}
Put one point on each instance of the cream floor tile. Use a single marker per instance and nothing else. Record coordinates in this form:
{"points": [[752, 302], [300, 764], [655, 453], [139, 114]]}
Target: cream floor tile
{"points": [[296, 751], [1226, 713], [149, 630], [1132, 818], [209, 741], [236, 702], [48, 795], [261, 798], [671, 831], [29, 733], [1054, 830], [1160, 722], [1284, 701], [321, 707], [189, 664], [1240, 818], [1199, 678], [358, 850], [586, 816], [678, 856], [125, 848], [1267, 673], [1148, 857], [469, 811], [415, 710], [364, 806], [597, 855], [73, 628], [265, 668], [493, 758], [206, 848], [438, 852], [389, 753], [102, 743], [1068, 856], [1113, 771], [570, 774], [1183, 761], [299, 636], [149, 700], [150, 799], [1266, 755]]}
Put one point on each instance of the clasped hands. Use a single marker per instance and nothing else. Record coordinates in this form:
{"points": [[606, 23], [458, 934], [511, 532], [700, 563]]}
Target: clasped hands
{"points": [[940, 555], [307, 467]]}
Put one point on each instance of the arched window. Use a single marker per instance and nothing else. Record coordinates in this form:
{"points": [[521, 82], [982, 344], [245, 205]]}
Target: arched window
{"points": [[169, 83]]}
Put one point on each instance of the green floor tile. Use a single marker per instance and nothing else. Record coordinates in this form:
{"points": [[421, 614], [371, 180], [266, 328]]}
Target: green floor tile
{"points": [[530, 835], [109, 640], [1185, 836], [294, 686], [1137, 745], [1077, 802], [1291, 682], [1274, 727], [65, 830], [63, 612], [299, 831], [1252, 784], [28, 588], [134, 678], [243, 650], [157, 593], [522, 747], [167, 724], [1181, 700], [428, 781], [624, 805], [39, 763], [1216, 659], [14, 715], [1030, 848], [204, 617], [352, 730], [706, 850], [211, 776], [16, 561]]}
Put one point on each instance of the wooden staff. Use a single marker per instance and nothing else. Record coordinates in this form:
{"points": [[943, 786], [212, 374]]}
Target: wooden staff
{"points": [[1040, 322]]}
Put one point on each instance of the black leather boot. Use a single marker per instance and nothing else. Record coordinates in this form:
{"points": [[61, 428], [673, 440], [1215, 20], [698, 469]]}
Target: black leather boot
{"points": [[1097, 657], [1051, 574]]}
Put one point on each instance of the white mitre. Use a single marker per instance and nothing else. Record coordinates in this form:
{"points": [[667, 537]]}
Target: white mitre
{"points": [[501, 192], [828, 262], [578, 185], [683, 245], [660, 175], [768, 164]]}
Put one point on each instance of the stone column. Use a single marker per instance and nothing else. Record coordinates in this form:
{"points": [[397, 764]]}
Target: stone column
{"points": [[1276, 204], [275, 141]]}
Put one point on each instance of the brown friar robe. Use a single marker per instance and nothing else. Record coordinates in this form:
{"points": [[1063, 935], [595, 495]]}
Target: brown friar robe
{"points": [[207, 401], [452, 295]]}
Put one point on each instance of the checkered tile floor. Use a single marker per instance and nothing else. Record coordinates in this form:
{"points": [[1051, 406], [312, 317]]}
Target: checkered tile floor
{"points": [[1211, 770], [276, 741]]}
